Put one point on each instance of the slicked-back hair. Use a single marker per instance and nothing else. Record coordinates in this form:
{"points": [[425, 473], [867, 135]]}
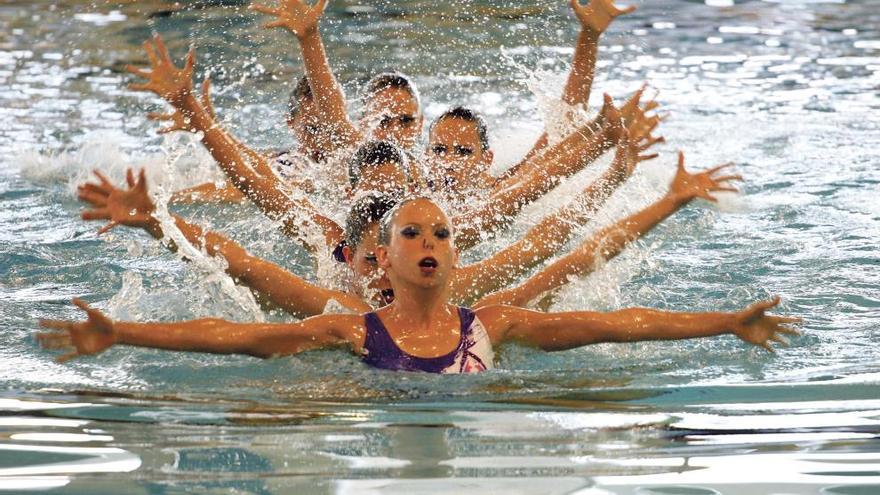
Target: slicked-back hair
{"points": [[391, 79], [374, 154], [301, 93], [467, 115], [365, 212]]}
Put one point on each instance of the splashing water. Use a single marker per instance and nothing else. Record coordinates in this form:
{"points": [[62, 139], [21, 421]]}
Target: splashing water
{"points": [[788, 90]]}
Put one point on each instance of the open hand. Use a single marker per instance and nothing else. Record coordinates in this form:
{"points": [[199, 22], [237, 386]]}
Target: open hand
{"points": [[755, 327], [628, 155], [132, 207], [688, 186], [78, 338], [596, 15], [164, 78], [297, 16], [611, 120], [641, 125]]}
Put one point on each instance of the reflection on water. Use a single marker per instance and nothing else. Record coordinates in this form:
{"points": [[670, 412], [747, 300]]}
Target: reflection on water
{"points": [[608, 446], [788, 90]]}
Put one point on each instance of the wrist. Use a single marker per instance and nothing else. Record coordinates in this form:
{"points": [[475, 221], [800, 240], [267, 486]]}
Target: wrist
{"points": [[679, 198], [154, 228], [730, 322], [308, 35], [590, 34]]}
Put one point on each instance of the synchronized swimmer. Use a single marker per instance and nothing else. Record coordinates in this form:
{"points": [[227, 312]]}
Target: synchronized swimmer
{"points": [[402, 299]]}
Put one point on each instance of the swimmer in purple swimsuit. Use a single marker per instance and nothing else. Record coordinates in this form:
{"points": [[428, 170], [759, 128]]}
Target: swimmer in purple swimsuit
{"points": [[428, 334]]}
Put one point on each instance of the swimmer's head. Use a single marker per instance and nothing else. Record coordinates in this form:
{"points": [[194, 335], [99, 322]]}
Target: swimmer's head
{"points": [[378, 166], [458, 150], [361, 239], [392, 109], [304, 118], [416, 245]]}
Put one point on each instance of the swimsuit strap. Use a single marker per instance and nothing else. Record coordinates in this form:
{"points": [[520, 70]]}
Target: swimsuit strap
{"points": [[473, 334], [381, 351]]}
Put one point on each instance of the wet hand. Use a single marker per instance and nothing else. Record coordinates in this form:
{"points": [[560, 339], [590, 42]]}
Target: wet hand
{"points": [[78, 338], [755, 327], [597, 15], [164, 78], [687, 186], [297, 16], [132, 207], [640, 124]]}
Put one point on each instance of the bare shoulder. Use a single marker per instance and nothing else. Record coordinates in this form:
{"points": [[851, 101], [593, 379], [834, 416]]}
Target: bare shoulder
{"points": [[497, 319]]}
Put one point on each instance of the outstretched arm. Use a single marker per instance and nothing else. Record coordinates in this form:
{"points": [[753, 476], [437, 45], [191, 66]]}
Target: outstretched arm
{"points": [[536, 178], [302, 20], [243, 170], [544, 239], [561, 331], [595, 17], [98, 333], [135, 208], [610, 241]]}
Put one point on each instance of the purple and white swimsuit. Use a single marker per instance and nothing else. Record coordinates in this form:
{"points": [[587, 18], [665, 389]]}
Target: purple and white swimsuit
{"points": [[473, 354]]}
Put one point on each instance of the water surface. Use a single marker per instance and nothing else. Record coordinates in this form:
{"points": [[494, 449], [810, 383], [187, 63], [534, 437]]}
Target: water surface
{"points": [[788, 90]]}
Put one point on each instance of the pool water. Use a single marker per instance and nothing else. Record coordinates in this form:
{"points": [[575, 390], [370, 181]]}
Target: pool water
{"points": [[789, 90]]}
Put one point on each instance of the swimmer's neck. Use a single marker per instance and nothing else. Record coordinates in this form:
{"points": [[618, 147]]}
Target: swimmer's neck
{"points": [[419, 307]]}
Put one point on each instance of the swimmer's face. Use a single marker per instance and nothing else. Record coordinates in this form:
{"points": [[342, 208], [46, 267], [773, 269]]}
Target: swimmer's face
{"points": [[455, 154], [387, 178], [393, 114], [306, 129], [421, 250], [362, 261]]}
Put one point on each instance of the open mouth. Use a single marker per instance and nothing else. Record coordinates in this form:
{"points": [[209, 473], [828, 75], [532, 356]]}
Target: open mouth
{"points": [[428, 265], [387, 295]]}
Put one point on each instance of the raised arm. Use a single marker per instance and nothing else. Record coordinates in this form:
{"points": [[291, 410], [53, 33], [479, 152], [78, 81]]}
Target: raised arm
{"points": [[595, 17], [610, 241], [302, 20], [134, 207], [298, 215], [545, 238], [98, 333], [561, 331]]}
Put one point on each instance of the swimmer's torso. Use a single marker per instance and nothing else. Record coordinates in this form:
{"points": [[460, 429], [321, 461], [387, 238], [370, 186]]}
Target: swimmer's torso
{"points": [[473, 354]]}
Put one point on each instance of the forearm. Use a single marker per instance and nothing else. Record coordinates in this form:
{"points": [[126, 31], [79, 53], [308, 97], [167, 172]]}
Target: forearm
{"points": [[327, 91], [577, 87], [561, 331], [207, 193], [545, 171], [263, 189], [604, 245], [207, 335], [503, 205], [580, 79], [275, 284], [630, 325], [223, 148]]}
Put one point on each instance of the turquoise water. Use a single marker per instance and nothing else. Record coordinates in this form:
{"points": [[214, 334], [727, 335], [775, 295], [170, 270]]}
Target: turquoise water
{"points": [[788, 90]]}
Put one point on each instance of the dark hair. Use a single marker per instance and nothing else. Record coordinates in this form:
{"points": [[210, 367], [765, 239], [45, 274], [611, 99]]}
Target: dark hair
{"points": [[373, 154], [391, 79], [365, 212], [300, 94], [467, 115]]}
